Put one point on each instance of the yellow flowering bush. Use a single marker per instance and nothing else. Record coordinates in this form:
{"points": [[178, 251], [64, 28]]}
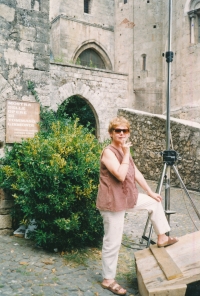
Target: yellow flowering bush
{"points": [[53, 178]]}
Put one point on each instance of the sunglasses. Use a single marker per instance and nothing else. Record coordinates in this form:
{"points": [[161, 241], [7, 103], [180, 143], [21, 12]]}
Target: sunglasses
{"points": [[119, 130]]}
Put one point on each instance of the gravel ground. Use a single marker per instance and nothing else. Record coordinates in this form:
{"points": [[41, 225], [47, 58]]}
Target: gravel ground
{"points": [[28, 270]]}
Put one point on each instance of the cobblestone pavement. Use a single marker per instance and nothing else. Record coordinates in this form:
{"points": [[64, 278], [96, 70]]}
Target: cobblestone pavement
{"points": [[27, 270]]}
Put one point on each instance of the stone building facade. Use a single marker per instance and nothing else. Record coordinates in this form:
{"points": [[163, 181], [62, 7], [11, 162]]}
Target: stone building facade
{"points": [[131, 37], [51, 42]]}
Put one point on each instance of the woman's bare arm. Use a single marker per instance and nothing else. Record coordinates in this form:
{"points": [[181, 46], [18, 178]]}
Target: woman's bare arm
{"points": [[115, 168], [142, 182]]}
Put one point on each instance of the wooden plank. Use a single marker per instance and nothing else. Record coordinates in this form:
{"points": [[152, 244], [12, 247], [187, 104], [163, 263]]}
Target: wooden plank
{"points": [[185, 254], [176, 290], [141, 285], [166, 263]]}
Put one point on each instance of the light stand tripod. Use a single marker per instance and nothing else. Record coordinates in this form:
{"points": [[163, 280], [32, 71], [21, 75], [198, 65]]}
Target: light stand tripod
{"points": [[169, 156]]}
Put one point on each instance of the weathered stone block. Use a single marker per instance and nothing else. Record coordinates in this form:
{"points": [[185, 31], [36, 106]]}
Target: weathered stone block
{"points": [[6, 231], [3, 83], [27, 33], [42, 35], [7, 12], [25, 4], [31, 18], [36, 76], [45, 100], [20, 58], [34, 47], [29, 98], [26, 46], [42, 63], [6, 92], [3, 195], [5, 27], [36, 5], [11, 3], [44, 5], [5, 221], [6, 204]]}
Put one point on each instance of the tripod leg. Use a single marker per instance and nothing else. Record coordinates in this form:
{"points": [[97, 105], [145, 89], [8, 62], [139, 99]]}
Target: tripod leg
{"points": [[148, 238], [186, 191], [167, 194], [160, 183], [158, 190], [150, 235], [145, 229]]}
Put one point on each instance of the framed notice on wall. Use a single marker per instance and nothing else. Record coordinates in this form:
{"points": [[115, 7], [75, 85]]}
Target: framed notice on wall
{"points": [[22, 120]]}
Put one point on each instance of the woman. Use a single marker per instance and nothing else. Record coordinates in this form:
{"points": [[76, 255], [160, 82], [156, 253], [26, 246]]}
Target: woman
{"points": [[117, 194]]}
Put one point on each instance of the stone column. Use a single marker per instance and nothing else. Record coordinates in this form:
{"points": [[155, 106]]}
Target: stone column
{"points": [[192, 33]]}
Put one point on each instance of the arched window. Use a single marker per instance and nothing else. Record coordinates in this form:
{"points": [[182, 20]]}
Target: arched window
{"points": [[90, 58]]}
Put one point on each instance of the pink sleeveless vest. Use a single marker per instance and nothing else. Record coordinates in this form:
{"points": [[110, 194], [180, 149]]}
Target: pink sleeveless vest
{"points": [[114, 195]]}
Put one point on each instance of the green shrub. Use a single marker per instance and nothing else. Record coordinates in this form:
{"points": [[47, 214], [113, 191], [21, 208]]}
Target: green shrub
{"points": [[53, 178]]}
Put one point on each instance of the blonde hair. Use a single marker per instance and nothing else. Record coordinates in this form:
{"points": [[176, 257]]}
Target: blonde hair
{"points": [[118, 121]]}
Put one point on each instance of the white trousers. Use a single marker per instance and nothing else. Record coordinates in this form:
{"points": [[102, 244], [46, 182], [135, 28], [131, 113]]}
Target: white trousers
{"points": [[113, 230]]}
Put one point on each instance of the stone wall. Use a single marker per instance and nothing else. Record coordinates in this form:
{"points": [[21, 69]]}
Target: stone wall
{"points": [[6, 204], [124, 43], [105, 91], [148, 79], [24, 52], [149, 139], [24, 55]]}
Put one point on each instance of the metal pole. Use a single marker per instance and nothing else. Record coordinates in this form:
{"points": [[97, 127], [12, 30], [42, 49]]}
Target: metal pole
{"points": [[169, 58]]}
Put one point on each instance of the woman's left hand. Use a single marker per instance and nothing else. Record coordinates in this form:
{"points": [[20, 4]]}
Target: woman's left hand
{"points": [[155, 196]]}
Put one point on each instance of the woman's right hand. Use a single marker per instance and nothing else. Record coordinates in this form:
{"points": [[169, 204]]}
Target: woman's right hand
{"points": [[126, 147], [119, 170]]}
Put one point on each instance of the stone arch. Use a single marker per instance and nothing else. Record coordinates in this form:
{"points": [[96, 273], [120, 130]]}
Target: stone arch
{"points": [[93, 111], [191, 5], [194, 4], [71, 89], [105, 91], [96, 47]]}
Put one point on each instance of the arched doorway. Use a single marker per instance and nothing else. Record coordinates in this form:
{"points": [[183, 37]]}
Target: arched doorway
{"points": [[78, 107]]}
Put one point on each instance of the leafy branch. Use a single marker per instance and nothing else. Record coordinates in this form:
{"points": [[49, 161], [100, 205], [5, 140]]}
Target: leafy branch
{"points": [[47, 116]]}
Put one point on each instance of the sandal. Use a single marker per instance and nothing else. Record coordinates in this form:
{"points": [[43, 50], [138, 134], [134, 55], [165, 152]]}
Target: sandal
{"points": [[114, 287], [169, 242]]}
